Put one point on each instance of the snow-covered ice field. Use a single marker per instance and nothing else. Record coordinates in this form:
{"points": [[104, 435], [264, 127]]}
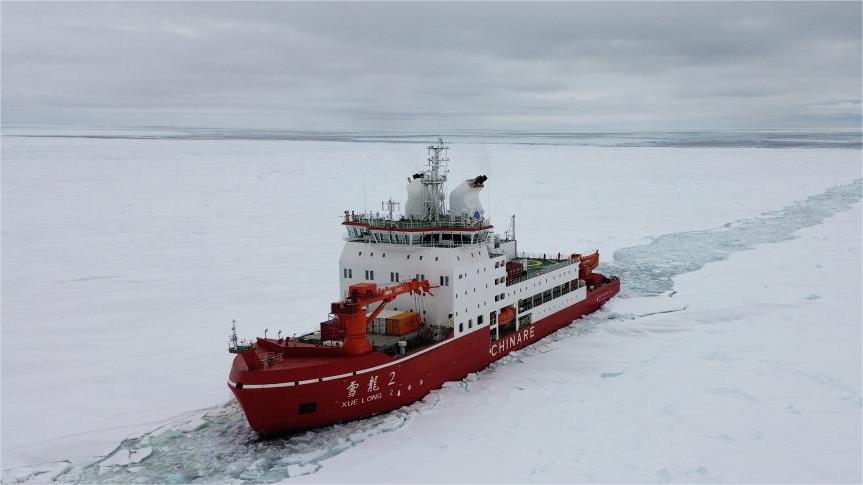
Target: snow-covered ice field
{"points": [[734, 354]]}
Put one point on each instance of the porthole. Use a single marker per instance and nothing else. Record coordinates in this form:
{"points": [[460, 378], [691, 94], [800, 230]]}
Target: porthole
{"points": [[308, 407]]}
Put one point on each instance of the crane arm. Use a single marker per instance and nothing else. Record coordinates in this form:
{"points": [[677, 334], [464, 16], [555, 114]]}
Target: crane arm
{"points": [[390, 293], [363, 294], [587, 264]]}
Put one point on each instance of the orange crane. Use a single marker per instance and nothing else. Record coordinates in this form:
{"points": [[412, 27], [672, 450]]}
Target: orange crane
{"points": [[588, 263], [351, 314]]}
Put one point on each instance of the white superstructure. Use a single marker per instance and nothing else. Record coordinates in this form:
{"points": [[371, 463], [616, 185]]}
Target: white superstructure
{"points": [[456, 250]]}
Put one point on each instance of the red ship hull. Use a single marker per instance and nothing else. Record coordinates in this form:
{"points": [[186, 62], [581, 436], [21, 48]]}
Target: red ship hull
{"points": [[354, 387]]}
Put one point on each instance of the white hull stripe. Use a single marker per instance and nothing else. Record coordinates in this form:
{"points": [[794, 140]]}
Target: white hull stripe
{"points": [[262, 386], [332, 378]]}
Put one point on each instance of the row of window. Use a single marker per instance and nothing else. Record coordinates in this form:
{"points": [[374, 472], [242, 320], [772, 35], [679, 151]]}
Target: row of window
{"points": [[395, 277], [546, 296], [401, 238], [470, 323], [436, 258], [384, 255]]}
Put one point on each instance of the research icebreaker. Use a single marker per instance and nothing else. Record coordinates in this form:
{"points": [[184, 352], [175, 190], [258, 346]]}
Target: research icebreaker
{"points": [[427, 297]]}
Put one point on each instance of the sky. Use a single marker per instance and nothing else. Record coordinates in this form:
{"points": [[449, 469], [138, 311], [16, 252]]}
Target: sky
{"points": [[442, 66]]}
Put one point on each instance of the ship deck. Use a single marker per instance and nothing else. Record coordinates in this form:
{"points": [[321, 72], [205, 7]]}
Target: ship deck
{"points": [[389, 344], [539, 265]]}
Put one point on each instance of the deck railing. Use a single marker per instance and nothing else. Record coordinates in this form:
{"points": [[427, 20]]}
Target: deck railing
{"points": [[545, 269], [441, 244], [448, 223]]}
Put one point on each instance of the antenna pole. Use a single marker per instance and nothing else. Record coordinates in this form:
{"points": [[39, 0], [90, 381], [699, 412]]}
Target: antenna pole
{"points": [[234, 332], [515, 241], [389, 206]]}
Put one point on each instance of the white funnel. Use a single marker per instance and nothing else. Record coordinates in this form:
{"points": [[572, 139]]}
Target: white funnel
{"points": [[464, 199]]}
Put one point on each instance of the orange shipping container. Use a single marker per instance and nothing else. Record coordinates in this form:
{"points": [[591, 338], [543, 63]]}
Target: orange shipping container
{"points": [[403, 323]]}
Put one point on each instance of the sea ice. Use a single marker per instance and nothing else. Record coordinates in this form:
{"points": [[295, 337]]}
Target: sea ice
{"points": [[128, 259]]}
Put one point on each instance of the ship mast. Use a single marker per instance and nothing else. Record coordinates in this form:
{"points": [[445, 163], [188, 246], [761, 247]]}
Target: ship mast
{"points": [[434, 181], [389, 206]]}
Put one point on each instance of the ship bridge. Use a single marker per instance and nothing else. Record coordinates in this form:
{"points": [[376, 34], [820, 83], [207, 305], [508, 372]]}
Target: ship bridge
{"points": [[443, 232]]}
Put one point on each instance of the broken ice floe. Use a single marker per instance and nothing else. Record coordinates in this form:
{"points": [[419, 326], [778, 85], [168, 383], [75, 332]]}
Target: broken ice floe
{"points": [[649, 269], [217, 445]]}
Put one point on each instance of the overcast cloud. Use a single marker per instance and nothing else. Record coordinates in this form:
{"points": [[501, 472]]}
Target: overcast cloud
{"points": [[551, 66]]}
